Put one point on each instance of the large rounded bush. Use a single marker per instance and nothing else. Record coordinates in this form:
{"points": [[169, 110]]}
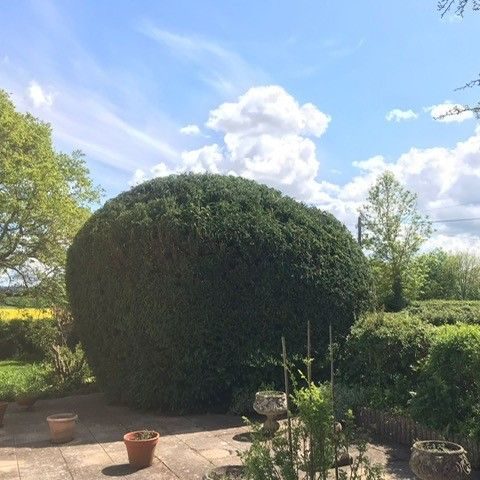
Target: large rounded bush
{"points": [[182, 287]]}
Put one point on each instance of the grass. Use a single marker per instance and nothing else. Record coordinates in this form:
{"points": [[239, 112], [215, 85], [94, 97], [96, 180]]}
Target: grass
{"points": [[22, 378]]}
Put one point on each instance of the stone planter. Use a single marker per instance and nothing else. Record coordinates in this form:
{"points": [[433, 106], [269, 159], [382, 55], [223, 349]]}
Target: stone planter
{"points": [[140, 450], [228, 472], [272, 405], [439, 460], [3, 408], [62, 427]]}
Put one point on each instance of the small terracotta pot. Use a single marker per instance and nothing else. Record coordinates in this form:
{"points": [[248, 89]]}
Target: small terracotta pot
{"points": [[62, 427], [3, 408], [26, 402], [140, 452]]}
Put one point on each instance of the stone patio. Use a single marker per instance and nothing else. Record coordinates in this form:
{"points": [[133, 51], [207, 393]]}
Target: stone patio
{"points": [[189, 445]]}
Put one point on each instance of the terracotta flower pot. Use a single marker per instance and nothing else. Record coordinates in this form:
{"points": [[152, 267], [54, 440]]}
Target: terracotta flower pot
{"points": [[26, 402], [3, 408], [62, 427], [140, 452]]}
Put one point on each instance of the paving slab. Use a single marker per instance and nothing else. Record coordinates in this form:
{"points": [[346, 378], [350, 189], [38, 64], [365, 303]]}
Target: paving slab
{"points": [[189, 445]]}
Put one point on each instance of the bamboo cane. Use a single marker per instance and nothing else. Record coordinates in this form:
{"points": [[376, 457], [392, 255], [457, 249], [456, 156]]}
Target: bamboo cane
{"points": [[287, 393], [333, 401]]}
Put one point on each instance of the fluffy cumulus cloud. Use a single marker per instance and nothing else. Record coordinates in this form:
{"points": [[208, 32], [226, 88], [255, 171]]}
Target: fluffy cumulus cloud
{"points": [[268, 136], [190, 130], [446, 112], [38, 96], [397, 115]]}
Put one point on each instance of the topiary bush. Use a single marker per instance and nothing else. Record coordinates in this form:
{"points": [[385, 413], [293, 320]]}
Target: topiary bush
{"points": [[448, 395], [182, 285], [382, 355], [441, 312]]}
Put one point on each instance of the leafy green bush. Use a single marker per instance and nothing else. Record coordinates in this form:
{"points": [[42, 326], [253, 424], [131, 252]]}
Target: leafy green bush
{"points": [[382, 354], [448, 395], [19, 379], [27, 338], [441, 312], [179, 283]]}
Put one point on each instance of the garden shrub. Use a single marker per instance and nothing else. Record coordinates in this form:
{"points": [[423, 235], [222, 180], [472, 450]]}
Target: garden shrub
{"points": [[382, 354], [441, 312], [448, 394], [27, 338], [179, 284]]}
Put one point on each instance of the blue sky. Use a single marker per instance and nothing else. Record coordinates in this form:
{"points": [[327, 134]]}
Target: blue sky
{"points": [[120, 80]]}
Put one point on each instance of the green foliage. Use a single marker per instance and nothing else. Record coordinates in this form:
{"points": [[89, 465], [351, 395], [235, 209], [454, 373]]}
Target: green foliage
{"points": [[44, 197], [178, 285], [448, 395], [382, 354], [310, 454], [441, 312], [393, 233], [27, 338], [451, 276], [20, 379]]}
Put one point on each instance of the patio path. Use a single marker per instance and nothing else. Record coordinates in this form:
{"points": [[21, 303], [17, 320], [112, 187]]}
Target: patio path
{"points": [[189, 445]]}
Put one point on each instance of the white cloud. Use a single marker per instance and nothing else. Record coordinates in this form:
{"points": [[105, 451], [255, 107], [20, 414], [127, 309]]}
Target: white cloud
{"points": [[441, 113], [398, 115], [190, 130], [38, 96], [268, 136]]}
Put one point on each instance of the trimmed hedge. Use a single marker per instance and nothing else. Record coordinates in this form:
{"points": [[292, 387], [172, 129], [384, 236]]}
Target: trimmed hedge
{"points": [[382, 354], [27, 338], [441, 312], [181, 284], [448, 395]]}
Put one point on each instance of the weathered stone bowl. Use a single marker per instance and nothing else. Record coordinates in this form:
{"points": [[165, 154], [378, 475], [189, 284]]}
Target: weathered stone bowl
{"points": [[272, 404], [439, 460], [230, 472]]}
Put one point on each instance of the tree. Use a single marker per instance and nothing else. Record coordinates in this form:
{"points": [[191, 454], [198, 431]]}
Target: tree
{"points": [[393, 232], [44, 199], [459, 7], [467, 268]]}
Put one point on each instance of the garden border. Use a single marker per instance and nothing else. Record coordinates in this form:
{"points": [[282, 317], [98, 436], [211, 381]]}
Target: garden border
{"points": [[404, 430]]}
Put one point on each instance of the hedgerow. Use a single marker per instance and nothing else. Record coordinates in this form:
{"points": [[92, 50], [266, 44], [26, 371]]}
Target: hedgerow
{"points": [[448, 394], [441, 312], [179, 286], [382, 354]]}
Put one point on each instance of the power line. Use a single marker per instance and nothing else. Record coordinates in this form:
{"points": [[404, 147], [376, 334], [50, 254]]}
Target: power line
{"points": [[450, 220]]}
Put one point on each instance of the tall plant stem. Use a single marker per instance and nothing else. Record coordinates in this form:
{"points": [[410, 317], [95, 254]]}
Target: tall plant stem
{"points": [[335, 443], [287, 393], [311, 470]]}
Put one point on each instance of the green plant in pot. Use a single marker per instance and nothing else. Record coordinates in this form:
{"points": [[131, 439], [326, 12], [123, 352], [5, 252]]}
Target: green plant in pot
{"points": [[28, 390], [141, 447]]}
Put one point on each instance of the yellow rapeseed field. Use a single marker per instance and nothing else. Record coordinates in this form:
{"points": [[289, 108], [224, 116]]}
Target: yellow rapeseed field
{"points": [[12, 313]]}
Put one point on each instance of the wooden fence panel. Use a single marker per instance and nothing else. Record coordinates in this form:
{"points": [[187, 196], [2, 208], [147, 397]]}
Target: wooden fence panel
{"points": [[405, 431]]}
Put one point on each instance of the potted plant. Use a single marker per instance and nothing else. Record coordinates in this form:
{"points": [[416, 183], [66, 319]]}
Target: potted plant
{"points": [[3, 408], [141, 447], [26, 395], [62, 427], [439, 460]]}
